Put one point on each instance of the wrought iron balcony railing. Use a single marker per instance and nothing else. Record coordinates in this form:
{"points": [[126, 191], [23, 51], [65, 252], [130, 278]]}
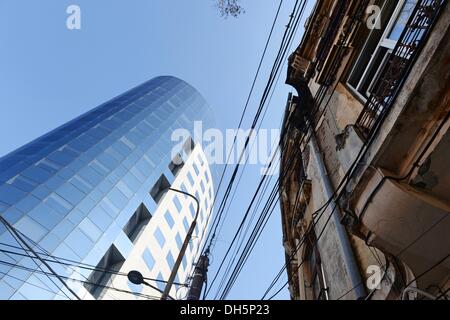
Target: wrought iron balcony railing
{"points": [[400, 63]]}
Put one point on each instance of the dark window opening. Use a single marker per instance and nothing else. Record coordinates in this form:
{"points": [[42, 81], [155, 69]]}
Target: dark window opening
{"points": [[99, 280], [176, 164], [315, 285], [137, 223], [189, 145], [160, 188]]}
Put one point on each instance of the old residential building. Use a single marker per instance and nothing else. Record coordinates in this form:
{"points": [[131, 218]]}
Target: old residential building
{"points": [[366, 152]]}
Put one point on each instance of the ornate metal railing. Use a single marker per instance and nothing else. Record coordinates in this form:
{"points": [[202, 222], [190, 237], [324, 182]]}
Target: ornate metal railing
{"points": [[330, 34], [402, 59], [335, 61]]}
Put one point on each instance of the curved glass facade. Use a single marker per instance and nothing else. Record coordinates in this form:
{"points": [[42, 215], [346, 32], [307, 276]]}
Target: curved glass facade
{"points": [[81, 191]]}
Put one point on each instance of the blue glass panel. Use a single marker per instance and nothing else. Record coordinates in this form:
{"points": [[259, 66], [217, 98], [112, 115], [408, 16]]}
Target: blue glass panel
{"points": [[59, 204], [27, 203], [190, 178], [70, 193], [170, 260], [31, 228], [148, 259], [75, 216], [23, 183], [49, 242], [79, 242], [192, 210], [124, 189], [45, 216], [89, 228], [6, 291], [63, 229], [169, 219], [10, 194], [90, 175], [202, 186], [100, 218], [12, 215], [41, 192], [160, 284], [197, 172], [186, 224], [132, 182], [160, 237], [54, 182], [177, 203], [179, 241], [134, 287], [81, 184], [61, 158], [117, 198], [86, 205], [36, 174], [184, 263]]}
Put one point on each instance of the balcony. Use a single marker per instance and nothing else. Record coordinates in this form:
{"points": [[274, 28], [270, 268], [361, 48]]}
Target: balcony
{"points": [[409, 224], [399, 64]]}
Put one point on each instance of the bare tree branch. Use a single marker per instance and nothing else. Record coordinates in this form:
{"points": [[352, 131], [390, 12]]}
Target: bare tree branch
{"points": [[231, 8]]}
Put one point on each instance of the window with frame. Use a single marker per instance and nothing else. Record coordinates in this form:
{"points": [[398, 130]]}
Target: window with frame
{"points": [[314, 282], [365, 74], [99, 280]]}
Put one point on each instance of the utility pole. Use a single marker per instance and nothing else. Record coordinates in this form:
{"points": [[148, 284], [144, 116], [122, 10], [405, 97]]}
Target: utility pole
{"points": [[182, 252], [199, 278]]}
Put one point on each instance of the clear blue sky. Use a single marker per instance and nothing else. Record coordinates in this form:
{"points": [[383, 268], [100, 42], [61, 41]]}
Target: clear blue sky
{"points": [[50, 75]]}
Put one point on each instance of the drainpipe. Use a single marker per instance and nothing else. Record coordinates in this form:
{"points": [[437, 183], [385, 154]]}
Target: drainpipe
{"points": [[347, 251]]}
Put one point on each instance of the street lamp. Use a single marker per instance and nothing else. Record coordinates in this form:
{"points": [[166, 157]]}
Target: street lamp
{"points": [[183, 247], [137, 278]]}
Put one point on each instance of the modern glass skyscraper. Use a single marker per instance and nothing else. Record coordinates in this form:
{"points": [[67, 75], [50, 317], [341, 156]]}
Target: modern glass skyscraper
{"points": [[92, 196]]}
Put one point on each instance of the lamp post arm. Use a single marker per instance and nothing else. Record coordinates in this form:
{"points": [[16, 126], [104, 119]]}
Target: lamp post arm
{"points": [[183, 247]]}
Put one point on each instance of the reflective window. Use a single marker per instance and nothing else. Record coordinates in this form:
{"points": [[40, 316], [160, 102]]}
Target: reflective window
{"points": [[36, 174], [10, 194], [161, 284], [177, 203], [23, 183], [70, 193], [117, 198], [190, 178], [27, 203], [160, 237], [200, 160], [101, 219], [184, 263], [169, 219], [148, 259], [192, 210], [90, 229], [63, 229], [31, 228], [170, 260], [197, 172], [124, 189], [79, 242], [137, 288], [186, 224], [202, 186], [45, 216], [178, 241], [58, 203]]}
